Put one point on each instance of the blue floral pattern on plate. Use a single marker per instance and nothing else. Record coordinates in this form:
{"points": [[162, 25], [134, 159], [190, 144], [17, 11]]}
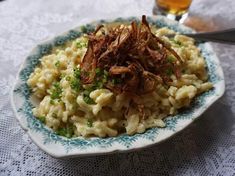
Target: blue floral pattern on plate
{"points": [[77, 146]]}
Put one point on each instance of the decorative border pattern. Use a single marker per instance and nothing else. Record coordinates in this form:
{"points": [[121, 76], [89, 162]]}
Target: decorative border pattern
{"points": [[23, 92]]}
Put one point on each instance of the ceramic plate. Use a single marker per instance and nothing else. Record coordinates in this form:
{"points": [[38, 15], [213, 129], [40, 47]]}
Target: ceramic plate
{"points": [[61, 147]]}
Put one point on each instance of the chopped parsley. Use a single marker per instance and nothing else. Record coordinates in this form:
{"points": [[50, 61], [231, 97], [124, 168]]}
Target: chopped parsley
{"points": [[62, 75], [74, 80], [87, 92], [83, 29], [42, 119], [87, 99], [113, 81], [52, 102], [105, 76], [101, 73], [57, 64], [99, 85], [100, 79], [68, 78], [116, 81], [176, 42], [169, 72], [106, 73], [56, 91], [81, 44], [86, 96], [98, 72], [66, 131], [170, 59], [77, 73], [89, 123], [75, 84]]}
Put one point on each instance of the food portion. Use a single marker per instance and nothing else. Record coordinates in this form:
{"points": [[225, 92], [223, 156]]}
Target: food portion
{"points": [[122, 78]]}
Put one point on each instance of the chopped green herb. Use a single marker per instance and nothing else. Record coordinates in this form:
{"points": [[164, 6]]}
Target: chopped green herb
{"points": [[62, 75], [61, 131], [52, 102], [86, 96], [89, 123], [169, 72], [99, 85], [170, 59], [42, 119], [57, 64], [56, 91], [86, 92], [75, 80], [75, 84], [81, 44], [116, 81], [77, 73], [102, 75], [105, 79], [100, 79], [66, 131], [98, 71], [56, 84], [105, 76], [113, 81], [176, 41], [83, 29], [88, 100], [106, 73], [68, 78]]}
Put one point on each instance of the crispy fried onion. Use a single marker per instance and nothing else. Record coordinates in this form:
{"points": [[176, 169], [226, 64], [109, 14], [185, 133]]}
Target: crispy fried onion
{"points": [[132, 54]]}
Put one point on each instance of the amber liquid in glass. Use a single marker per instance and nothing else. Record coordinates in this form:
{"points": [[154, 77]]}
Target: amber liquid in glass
{"points": [[176, 7]]}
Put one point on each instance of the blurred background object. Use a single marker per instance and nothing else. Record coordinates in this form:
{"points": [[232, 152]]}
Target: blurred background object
{"points": [[200, 24], [172, 9], [184, 12]]}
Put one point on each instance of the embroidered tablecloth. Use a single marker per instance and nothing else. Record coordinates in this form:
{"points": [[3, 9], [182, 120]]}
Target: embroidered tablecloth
{"points": [[207, 147]]}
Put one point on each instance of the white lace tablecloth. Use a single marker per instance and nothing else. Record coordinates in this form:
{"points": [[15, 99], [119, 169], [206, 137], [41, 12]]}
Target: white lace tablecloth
{"points": [[207, 147]]}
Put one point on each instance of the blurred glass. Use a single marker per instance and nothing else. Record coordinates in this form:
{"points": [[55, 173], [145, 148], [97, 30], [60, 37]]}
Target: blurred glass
{"points": [[173, 9]]}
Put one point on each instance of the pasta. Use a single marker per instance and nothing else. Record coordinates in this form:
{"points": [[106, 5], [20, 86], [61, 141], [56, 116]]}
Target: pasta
{"points": [[73, 111]]}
